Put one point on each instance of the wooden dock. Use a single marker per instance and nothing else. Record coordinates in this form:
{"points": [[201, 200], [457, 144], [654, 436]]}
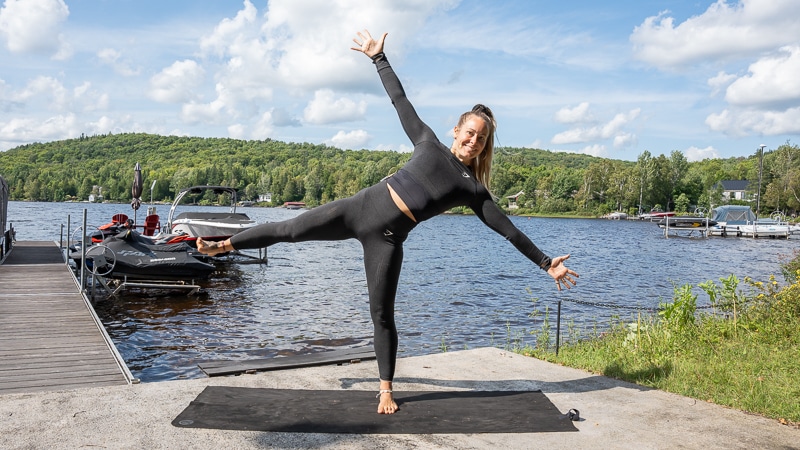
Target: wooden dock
{"points": [[50, 337]]}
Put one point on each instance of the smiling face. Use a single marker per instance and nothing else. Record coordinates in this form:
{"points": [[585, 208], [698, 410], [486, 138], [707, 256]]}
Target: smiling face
{"points": [[470, 139]]}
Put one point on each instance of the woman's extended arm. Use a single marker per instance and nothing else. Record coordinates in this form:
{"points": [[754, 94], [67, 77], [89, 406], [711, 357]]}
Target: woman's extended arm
{"points": [[495, 219], [416, 130]]}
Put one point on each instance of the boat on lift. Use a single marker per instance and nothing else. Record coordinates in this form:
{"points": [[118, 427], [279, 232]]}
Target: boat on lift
{"points": [[740, 220], [215, 225], [656, 215], [686, 222]]}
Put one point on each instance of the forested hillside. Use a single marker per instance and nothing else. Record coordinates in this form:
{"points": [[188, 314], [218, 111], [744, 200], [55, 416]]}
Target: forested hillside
{"points": [[553, 182]]}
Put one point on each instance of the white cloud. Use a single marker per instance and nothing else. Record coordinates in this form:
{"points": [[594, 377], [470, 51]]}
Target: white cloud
{"points": [[230, 31], [114, 59], [309, 36], [726, 30], [613, 129], [32, 129], [741, 122], [207, 113], [720, 82], [772, 81], [177, 83], [263, 128], [624, 140], [352, 140], [297, 48], [236, 131], [59, 111], [699, 154], [87, 99], [766, 101], [51, 94], [595, 150], [103, 125], [402, 148], [51, 89], [34, 26], [326, 109], [578, 114], [536, 144], [722, 121]]}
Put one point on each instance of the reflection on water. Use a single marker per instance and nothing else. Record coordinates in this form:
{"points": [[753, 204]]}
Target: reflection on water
{"points": [[462, 286]]}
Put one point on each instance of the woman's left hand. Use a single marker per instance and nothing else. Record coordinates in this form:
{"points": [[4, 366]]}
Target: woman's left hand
{"points": [[561, 273]]}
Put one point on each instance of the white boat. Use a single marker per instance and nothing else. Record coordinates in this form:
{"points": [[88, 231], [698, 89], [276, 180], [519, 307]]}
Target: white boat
{"points": [[656, 215], [208, 225], [617, 215], [759, 229], [739, 220]]}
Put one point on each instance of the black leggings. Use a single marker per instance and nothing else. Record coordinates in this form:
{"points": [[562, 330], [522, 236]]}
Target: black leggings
{"points": [[371, 217]]}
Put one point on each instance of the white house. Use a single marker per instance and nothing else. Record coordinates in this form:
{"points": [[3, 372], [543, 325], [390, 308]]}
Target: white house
{"points": [[734, 189]]}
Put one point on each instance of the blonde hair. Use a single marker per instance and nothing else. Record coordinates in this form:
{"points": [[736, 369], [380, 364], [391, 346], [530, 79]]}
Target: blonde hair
{"points": [[482, 165]]}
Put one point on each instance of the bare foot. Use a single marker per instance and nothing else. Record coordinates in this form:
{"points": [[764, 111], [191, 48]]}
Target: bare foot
{"points": [[387, 404]]}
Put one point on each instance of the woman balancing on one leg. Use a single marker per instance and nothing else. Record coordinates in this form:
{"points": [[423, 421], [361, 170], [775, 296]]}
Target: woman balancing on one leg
{"points": [[436, 179]]}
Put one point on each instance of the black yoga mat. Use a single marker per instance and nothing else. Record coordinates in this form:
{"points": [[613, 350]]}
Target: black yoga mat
{"points": [[309, 411]]}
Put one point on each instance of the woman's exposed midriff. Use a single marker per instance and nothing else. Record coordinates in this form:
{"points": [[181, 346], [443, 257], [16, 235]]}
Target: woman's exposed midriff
{"points": [[401, 205]]}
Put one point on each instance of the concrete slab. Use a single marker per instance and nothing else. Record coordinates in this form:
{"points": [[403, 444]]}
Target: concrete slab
{"points": [[616, 415]]}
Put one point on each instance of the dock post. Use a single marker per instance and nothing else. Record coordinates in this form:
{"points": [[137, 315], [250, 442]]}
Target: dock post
{"points": [[558, 328], [83, 253], [68, 237]]}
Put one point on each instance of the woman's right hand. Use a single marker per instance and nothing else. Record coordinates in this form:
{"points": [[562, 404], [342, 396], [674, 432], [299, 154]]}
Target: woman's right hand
{"points": [[368, 46]]}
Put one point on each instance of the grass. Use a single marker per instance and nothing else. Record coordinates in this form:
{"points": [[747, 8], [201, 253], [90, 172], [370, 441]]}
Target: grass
{"points": [[744, 352]]}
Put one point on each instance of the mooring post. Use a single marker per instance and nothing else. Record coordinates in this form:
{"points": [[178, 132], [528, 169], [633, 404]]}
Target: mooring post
{"points": [[558, 327], [67, 237], [83, 253]]}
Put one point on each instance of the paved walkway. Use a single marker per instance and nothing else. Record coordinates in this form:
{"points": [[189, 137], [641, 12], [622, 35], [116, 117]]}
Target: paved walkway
{"points": [[616, 415]]}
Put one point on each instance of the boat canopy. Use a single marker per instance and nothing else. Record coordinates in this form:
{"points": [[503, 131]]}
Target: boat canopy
{"points": [[733, 214]]}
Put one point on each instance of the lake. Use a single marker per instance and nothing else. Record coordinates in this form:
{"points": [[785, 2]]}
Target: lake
{"points": [[462, 286]]}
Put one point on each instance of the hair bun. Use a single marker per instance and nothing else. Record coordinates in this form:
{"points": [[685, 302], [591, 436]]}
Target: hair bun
{"points": [[480, 108], [483, 109]]}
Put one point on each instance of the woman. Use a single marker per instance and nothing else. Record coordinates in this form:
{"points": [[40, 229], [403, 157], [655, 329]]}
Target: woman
{"points": [[436, 179]]}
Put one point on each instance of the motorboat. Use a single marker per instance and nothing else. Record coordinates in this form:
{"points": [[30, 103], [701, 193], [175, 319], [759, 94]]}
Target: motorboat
{"points": [[739, 220], [686, 222], [294, 205], [617, 215], [656, 215], [762, 229], [207, 225]]}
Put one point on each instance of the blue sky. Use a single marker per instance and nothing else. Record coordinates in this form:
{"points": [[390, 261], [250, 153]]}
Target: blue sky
{"points": [[611, 79]]}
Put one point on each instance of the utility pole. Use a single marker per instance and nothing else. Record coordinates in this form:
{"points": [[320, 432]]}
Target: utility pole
{"points": [[760, 166]]}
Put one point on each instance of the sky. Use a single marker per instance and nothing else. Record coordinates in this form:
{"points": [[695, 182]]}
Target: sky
{"points": [[610, 79]]}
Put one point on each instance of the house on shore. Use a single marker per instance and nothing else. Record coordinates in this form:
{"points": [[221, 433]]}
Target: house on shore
{"points": [[734, 189]]}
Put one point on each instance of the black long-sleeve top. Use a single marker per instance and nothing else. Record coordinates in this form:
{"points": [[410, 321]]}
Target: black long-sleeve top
{"points": [[434, 180]]}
